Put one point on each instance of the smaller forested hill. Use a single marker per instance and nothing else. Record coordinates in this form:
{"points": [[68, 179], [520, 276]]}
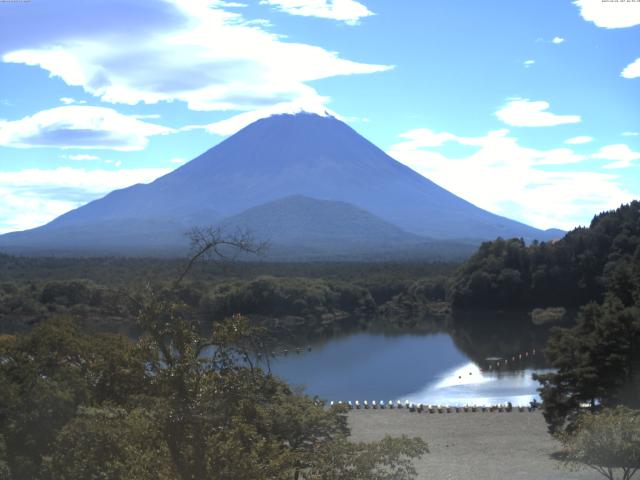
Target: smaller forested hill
{"points": [[572, 271]]}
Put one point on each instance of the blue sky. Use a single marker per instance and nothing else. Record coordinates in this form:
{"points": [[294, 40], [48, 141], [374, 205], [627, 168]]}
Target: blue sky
{"points": [[530, 109]]}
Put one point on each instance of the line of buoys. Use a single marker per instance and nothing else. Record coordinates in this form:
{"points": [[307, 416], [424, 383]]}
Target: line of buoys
{"points": [[285, 351], [514, 358], [427, 408]]}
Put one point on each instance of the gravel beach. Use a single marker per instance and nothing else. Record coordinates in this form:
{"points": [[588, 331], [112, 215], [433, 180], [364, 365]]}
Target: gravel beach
{"points": [[472, 446]]}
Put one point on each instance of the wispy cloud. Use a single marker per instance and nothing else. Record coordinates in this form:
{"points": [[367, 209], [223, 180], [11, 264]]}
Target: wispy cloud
{"points": [[237, 122], [609, 14], [188, 50], [528, 63], [79, 127], [507, 178], [33, 197], [578, 140], [347, 11], [81, 157], [620, 154], [522, 112]]}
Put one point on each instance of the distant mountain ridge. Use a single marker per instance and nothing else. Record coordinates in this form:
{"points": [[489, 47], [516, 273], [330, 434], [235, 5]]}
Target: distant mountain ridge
{"points": [[299, 220], [303, 158]]}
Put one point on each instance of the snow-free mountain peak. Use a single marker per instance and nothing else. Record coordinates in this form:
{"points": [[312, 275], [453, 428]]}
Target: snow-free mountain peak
{"points": [[306, 155]]}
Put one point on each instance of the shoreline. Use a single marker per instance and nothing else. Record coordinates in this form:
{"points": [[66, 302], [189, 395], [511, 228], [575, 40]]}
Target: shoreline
{"points": [[472, 446]]}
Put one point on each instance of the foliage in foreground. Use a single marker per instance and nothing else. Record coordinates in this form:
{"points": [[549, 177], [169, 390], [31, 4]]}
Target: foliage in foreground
{"points": [[178, 404], [607, 442], [79, 406]]}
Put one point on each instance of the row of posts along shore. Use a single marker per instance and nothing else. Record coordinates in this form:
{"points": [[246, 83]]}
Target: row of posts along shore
{"points": [[424, 408]]}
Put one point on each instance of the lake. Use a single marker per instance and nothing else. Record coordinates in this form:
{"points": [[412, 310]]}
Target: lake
{"points": [[420, 368]]}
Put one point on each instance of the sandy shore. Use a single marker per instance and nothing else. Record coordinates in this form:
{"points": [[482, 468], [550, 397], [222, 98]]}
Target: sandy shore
{"points": [[472, 446]]}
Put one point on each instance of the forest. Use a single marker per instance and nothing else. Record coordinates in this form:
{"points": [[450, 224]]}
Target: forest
{"points": [[81, 401], [572, 271], [101, 292]]}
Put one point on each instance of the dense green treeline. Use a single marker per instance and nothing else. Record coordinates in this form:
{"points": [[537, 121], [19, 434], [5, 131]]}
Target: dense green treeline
{"points": [[318, 297], [133, 270], [572, 271]]}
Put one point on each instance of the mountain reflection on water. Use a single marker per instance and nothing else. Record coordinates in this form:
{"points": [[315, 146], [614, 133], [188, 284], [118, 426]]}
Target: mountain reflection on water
{"points": [[435, 368]]}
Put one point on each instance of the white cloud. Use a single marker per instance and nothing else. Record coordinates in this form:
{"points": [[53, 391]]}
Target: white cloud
{"points": [[356, 119], [33, 197], [557, 40], [71, 101], [222, 3], [115, 163], [153, 51], [147, 116], [630, 134], [528, 63], [633, 69], [621, 155], [233, 124], [347, 11], [522, 112], [578, 140], [607, 14], [178, 161], [81, 157], [237, 122], [79, 127], [424, 137], [506, 178]]}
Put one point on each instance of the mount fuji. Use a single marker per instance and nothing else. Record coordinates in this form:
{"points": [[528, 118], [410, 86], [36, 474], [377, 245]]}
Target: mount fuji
{"points": [[305, 180]]}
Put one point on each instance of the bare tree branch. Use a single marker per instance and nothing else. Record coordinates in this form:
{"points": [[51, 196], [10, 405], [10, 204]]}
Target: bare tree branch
{"points": [[215, 243]]}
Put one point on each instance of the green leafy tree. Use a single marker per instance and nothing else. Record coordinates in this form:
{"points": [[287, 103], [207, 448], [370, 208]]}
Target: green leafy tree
{"points": [[110, 442], [46, 375], [597, 364], [608, 442]]}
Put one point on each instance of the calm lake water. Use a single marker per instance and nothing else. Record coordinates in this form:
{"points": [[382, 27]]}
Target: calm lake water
{"points": [[419, 368]]}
